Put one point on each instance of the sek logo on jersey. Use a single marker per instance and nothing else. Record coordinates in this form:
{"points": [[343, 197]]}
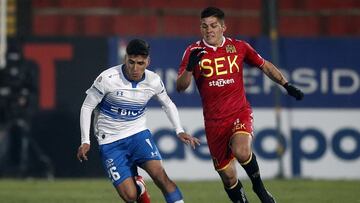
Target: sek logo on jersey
{"points": [[221, 82], [219, 66]]}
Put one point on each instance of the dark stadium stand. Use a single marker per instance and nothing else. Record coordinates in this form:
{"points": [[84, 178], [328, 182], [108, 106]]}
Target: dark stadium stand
{"points": [[178, 18]]}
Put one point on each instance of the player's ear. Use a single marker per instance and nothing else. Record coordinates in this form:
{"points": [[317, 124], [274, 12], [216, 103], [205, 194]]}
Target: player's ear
{"points": [[148, 61], [224, 27], [125, 58]]}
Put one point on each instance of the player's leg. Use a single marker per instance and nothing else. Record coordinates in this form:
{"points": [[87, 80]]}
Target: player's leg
{"points": [[218, 138], [169, 189], [144, 196], [131, 190], [147, 156], [127, 190], [117, 166], [232, 184], [240, 145]]}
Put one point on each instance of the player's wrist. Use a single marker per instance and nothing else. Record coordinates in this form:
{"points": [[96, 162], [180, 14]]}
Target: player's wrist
{"points": [[85, 142], [286, 85], [179, 131]]}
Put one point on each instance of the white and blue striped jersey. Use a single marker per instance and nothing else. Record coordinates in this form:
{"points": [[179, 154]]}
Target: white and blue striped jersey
{"points": [[121, 105]]}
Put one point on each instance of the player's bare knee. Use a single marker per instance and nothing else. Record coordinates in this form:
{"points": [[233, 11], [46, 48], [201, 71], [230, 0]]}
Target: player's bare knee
{"points": [[129, 196], [242, 153], [240, 145], [127, 192]]}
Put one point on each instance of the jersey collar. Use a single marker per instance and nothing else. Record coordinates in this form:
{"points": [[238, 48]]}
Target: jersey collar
{"points": [[213, 47]]}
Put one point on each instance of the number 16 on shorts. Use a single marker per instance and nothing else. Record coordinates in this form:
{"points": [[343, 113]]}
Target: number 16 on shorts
{"points": [[113, 174]]}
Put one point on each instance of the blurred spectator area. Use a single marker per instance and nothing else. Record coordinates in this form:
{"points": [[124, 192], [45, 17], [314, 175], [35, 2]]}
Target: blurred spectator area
{"points": [[167, 18]]}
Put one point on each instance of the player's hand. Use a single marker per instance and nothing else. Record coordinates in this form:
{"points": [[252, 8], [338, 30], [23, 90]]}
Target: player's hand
{"points": [[188, 139], [294, 91], [82, 151], [194, 58]]}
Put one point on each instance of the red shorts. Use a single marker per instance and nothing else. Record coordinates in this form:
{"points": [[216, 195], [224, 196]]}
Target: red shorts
{"points": [[219, 133]]}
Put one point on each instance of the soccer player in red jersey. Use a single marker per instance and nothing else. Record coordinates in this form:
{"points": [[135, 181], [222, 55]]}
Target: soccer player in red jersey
{"points": [[216, 63]]}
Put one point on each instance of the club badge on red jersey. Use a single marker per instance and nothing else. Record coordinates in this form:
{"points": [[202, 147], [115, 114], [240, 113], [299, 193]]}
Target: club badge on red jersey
{"points": [[230, 49]]}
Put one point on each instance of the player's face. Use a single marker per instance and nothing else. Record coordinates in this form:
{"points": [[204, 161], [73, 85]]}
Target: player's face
{"points": [[212, 30], [135, 66]]}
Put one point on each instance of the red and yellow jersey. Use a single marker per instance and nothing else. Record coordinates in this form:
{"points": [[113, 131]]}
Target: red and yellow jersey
{"points": [[219, 76]]}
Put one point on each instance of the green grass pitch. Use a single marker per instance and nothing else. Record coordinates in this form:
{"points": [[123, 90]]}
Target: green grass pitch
{"points": [[101, 191]]}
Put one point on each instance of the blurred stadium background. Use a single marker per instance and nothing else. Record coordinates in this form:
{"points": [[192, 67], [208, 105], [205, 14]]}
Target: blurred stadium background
{"points": [[52, 50]]}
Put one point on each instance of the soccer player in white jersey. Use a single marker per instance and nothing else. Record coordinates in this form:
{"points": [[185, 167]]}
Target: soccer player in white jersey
{"points": [[119, 95]]}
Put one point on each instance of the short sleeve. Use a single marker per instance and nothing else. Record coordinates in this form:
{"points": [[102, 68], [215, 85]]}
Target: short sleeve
{"points": [[184, 61], [252, 58], [98, 88], [160, 87]]}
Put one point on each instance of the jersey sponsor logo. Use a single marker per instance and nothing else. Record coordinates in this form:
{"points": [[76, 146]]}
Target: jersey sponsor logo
{"points": [[130, 113], [117, 112], [221, 82], [120, 93], [222, 66]]}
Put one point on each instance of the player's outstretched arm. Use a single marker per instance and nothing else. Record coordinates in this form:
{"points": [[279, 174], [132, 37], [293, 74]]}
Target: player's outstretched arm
{"points": [[87, 108], [275, 75], [188, 139], [173, 115]]}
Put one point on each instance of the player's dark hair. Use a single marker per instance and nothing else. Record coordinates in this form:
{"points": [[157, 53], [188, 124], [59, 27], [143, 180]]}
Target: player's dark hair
{"points": [[138, 47], [213, 11]]}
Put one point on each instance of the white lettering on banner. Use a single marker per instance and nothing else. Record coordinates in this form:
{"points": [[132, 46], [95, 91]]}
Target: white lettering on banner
{"points": [[348, 89], [337, 81], [329, 139], [306, 78], [250, 76], [324, 81], [311, 81]]}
